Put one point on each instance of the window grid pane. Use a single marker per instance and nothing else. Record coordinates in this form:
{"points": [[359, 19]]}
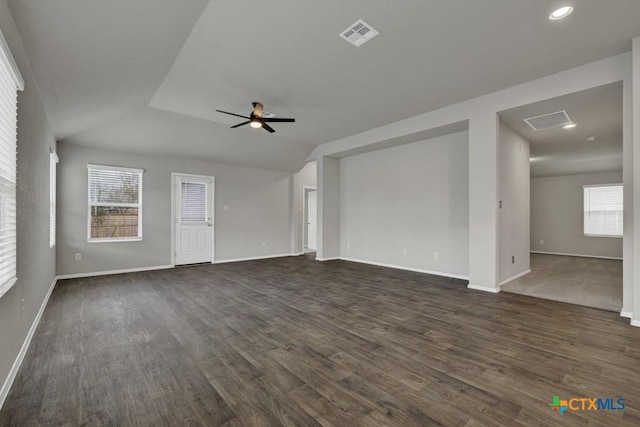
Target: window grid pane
{"points": [[193, 202], [114, 222], [113, 186]]}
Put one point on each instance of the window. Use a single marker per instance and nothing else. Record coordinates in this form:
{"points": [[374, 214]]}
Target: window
{"points": [[603, 210], [10, 83], [53, 161], [193, 205], [115, 204]]}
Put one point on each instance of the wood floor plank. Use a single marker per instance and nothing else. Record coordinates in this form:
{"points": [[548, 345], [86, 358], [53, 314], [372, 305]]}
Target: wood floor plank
{"points": [[291, 341], [325, 412]]}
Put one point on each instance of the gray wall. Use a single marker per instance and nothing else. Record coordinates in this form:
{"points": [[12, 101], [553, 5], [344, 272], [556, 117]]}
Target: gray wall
{"points": [[557, 216], [514, 223], [36, 262], [413, 197], [328, 245], [307, 177], [259, 211]]}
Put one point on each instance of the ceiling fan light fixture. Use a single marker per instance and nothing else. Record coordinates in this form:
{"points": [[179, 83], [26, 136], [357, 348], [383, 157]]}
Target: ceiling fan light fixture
{"points": [[256, 124]]}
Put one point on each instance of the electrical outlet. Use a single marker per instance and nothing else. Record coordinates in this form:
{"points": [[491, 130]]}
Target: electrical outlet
{"points": [[404, 251], [348, 245], [542, 242], [436, 255], [78, 256], [264, 244], [513, 260], [22, 304], [225, 207]]}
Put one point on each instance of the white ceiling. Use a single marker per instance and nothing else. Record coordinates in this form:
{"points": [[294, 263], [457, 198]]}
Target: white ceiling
{"points": [[597, 112], [147, 75]]}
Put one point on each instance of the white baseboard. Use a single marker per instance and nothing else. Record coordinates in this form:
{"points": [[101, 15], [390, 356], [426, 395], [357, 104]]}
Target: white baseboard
{"points": [[635, 323], [4, 391], [328, 259], [576, 255], [400, 267], [109, 272], [627, 314], [297, 253], [162, 267], [517, 276], [483, 288], [253, 258]]}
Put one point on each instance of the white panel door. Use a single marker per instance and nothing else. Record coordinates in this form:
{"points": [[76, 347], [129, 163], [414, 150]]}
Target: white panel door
{"points": [[312, 219], [193, 204]]}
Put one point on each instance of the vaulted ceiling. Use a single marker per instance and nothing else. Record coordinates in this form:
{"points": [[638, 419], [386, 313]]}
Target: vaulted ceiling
{"points": [[147, 75]]}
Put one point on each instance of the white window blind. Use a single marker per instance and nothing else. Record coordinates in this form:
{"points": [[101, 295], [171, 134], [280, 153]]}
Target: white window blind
{"points": [[10, 82], [193, 202], [115, 203], [53, 161], [603, 207]]}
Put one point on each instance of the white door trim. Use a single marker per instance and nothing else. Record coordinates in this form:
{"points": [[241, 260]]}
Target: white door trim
{"points": [[305, 238], [173, 213]]}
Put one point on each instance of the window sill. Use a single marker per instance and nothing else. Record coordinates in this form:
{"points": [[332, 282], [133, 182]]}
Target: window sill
{"points": [[116, 240], [4, 288], [603, 235]]}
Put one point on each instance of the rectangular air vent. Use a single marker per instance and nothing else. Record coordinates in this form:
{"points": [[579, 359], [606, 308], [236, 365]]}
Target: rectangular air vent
{"points": [[359, 33], [549, 121]]}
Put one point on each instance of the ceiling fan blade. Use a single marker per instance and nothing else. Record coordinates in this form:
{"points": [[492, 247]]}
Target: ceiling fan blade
{"points": [[232, 114], [279, 120], [257, 109], [268, 128], [241, 124]]}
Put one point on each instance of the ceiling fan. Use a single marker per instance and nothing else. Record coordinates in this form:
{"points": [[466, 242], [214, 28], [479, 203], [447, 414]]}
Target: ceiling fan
{"points": [[256, 119]]}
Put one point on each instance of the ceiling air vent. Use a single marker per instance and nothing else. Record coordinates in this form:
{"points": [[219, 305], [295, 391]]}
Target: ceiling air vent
{"points": [[359, 33], [549, 121]]}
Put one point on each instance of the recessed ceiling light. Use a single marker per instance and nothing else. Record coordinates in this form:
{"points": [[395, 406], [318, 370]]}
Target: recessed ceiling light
{"points": [[560, 13], [569, 126], [591, 138]]}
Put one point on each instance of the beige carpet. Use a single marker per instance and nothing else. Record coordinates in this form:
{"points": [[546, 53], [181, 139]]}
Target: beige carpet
{"points": [[591, 282]]}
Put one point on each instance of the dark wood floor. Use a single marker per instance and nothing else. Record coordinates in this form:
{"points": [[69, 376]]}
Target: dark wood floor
{"points": [[291, 341]]}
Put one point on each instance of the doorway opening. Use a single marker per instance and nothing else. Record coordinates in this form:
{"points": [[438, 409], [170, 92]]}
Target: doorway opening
{"points": [[310, 219], [192, 216], [572, 236]]}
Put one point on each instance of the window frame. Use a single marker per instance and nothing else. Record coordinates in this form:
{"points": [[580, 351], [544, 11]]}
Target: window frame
{"points": [[11, 84], [138, 205], [584, 231], [53, 194]]}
